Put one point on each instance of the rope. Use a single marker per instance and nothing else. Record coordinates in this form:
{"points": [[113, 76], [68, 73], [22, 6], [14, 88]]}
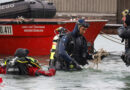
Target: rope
{"points": [[112, 40]]}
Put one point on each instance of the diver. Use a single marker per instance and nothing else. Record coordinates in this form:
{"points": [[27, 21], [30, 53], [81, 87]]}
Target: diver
{"points": [[71, 50], [21, 64], [124, 33]]}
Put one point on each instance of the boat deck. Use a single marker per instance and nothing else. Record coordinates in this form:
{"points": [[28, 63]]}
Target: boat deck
{"points": [[44, 21]]}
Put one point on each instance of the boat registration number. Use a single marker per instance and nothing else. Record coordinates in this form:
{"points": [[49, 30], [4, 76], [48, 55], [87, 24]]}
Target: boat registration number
{"points": [[6, 30]]}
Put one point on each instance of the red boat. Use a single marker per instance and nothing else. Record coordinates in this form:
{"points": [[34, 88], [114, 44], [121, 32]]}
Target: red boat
{"points": [[37, 34]]}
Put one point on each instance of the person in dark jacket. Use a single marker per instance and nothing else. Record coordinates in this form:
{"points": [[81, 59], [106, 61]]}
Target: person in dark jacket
{"points": [[72, 49], [21, 64], [124, 33]]}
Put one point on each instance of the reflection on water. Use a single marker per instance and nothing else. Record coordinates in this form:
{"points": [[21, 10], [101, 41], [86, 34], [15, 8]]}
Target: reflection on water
{"points": [[112, 74]]}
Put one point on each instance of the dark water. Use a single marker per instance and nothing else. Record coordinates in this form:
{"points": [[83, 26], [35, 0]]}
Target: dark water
{"points": [[112, 74]]}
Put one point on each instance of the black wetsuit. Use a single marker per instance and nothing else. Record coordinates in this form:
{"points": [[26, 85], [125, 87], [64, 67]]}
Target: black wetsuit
{"points": [[72, 48], [124, 33]]}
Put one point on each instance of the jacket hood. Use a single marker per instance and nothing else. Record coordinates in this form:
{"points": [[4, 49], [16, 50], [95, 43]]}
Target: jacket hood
{"points": [[75, 31]]}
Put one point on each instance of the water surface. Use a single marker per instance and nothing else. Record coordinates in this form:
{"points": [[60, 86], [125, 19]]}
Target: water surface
{"points": [[112, 74]]}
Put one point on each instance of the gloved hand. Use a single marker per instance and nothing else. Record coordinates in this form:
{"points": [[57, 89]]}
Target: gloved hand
{"points": [[97, 56], [77, 66], [123, 56], [94, 56], [71, 65], [126, 59], [102, 57]]}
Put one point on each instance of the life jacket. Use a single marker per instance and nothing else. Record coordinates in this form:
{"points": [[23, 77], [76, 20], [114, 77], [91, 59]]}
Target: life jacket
{"points": [[33, 62]]}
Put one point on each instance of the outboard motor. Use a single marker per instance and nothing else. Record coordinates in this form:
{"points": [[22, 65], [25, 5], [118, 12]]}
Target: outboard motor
{"points": [[27, 9]]}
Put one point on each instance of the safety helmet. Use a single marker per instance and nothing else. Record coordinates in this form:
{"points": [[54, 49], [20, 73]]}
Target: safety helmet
{"points": [[20, 52], [126, 12], [60, 29], [81, 22]]}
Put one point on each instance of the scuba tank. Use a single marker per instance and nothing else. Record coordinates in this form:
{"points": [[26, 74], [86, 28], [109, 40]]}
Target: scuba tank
{"points": [[17, 64], [11, 68], [62, 31]]}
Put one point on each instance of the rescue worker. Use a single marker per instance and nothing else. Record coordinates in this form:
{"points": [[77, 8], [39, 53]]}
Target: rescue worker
{"points": [[21, 64], [124, 33], [72, 51]]}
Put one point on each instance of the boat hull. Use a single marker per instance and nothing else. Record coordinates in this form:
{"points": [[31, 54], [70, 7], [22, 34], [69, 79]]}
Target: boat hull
{"points": [[37, 37]]}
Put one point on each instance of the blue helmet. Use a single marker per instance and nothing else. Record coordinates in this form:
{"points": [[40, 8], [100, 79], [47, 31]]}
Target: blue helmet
{"points": [[81, 22]]}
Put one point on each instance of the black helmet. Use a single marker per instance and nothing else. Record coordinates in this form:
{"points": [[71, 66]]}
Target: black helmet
{"points": [[20, 52], [81, 22]]}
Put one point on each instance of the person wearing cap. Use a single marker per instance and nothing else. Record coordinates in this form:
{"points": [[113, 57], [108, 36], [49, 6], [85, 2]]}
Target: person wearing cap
{"points": [[72, 49], [21, 64], [124, 33]]}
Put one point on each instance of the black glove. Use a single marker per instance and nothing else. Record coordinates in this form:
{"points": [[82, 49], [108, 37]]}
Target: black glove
{"points": [[125, 59], [77, 66], [102, 57]]}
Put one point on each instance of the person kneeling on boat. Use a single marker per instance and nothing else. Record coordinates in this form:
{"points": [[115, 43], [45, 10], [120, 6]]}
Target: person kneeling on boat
{"points": [[71, 50], [21, 64], [124, 33]]}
